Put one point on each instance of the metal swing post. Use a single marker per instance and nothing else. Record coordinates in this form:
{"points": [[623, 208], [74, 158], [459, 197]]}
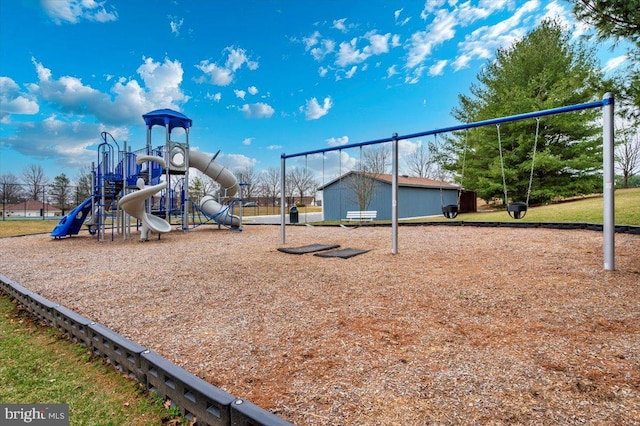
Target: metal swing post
{"points": [[608, 223]]}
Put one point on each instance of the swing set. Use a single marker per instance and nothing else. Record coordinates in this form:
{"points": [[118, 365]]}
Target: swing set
{"points": [[516, 210]]}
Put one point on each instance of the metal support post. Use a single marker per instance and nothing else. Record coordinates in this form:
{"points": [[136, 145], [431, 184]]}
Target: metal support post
{"points": [[283, 166], [394, 196], [608, 223]]}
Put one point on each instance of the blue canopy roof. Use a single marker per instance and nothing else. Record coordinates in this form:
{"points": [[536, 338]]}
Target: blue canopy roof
{"points": [[168, 118]]}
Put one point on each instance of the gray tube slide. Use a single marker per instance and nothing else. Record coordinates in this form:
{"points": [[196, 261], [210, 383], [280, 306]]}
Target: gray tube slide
{"points": [[224, 177]]}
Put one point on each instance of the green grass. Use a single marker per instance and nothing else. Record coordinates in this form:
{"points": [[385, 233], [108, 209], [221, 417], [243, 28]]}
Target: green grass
{"points": [[584, 210], [37, 366], [588, 210]]}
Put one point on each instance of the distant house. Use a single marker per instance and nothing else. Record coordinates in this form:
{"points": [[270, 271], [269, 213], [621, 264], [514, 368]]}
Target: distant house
{"points": [[417, 197], [31, 208]]}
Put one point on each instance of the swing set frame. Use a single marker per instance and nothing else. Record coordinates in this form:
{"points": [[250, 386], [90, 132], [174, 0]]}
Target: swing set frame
{"points": [[607, 105]]}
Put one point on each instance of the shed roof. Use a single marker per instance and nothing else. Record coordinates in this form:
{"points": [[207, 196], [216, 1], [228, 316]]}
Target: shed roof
{"points": [[403, 180]]}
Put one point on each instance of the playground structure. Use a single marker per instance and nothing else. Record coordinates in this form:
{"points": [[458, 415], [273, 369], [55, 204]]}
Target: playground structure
{"points": [[152, 185], [516, 210]]}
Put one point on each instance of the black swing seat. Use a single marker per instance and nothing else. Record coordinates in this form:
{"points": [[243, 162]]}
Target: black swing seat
{"points": [[450, 211], [517, 210]]}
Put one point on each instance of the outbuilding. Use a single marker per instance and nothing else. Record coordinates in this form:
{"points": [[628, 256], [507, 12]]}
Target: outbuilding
{"points": [[417, 197], [31, 208]]}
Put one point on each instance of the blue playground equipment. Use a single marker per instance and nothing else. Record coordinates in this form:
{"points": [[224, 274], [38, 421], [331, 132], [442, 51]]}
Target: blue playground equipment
{"points": [[152, 185]]}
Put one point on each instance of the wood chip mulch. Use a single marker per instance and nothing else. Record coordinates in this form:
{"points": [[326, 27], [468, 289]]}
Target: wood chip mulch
{"points": [[463, 326]]}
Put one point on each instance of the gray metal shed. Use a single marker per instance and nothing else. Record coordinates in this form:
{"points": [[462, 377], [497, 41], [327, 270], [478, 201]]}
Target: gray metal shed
{"points": [[416, 196]]}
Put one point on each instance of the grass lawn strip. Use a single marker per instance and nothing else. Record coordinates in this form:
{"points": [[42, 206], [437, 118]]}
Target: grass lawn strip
{"points": [[40, 366]]}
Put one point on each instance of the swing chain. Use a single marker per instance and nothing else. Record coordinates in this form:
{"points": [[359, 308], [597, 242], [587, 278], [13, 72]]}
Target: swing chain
{"points": [[533, 157], [464, 159], [504, 181]]}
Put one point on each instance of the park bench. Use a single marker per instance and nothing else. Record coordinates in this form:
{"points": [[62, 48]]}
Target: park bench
{"points": [[361, 216]]}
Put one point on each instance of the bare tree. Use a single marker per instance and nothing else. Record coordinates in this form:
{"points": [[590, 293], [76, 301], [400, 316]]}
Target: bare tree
{"points": [[289, 188], [303, 181], [11, 189], [627, 153], [250, 179], [362, 186], [270, 184], [33, 176], [83, 185], [200, 184], [376, 160], [419, 162]]}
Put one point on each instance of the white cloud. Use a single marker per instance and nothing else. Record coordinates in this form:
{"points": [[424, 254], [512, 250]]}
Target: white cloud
{"points": [[438, 67], [216, 97], [274, 147], [13, 101], [614, 63], [222, 75], [342, 140], [407, 147], [218, 75], [162, 81], [312, 40], [160, 89], [247, 141], [414, 75], [556, 11], [73, 11], [239, 93], [326, 47], [391, 71], [396, 17], [461, 62], [237, 58], [484, 41], [237, 161], [253, 90], [339, 24], [379, 43], [322, 71], [431, 6], [348, 54], [257, 110], [313, 110], [71, 143], [176, 25], [421, 46], [446, 16], [351, 72]]}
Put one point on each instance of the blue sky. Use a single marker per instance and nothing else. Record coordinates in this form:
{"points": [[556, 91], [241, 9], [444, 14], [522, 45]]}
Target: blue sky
{"points": [[258, 78]]}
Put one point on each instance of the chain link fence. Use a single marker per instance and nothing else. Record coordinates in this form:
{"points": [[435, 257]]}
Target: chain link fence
{"points": [[22, 201]]}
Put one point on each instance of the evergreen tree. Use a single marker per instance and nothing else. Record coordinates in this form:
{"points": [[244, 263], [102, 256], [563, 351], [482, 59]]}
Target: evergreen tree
{"points": [[618, 20], [543, 70], [61, 193]]}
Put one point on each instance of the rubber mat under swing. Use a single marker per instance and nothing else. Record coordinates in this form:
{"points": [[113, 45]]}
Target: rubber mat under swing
{"points": [[312, 248], [343, 253]]}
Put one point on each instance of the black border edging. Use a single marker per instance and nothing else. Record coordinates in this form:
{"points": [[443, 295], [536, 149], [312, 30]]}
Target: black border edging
{"points": [[194, 397]]}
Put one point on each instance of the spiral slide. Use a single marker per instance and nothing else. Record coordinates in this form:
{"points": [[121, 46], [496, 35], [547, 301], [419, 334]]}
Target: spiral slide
{"points": [[133, 203], [228, 186]]}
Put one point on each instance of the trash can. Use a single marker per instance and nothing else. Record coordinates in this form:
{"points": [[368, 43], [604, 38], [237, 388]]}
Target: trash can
{"points": [[293, 215]]}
